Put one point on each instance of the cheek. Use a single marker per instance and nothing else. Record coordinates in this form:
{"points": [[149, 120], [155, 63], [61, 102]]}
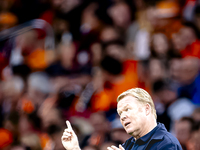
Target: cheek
{"points": [[137, 117]]}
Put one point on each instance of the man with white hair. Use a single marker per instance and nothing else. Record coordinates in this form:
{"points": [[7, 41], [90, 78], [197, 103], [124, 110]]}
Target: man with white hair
{"points": [[138, 117]]}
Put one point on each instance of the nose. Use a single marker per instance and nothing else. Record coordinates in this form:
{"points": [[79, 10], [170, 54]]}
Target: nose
{"points": [[123, 117]]}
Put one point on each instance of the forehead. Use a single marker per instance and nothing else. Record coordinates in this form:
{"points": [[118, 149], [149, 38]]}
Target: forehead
{"points": [[127, 101]]}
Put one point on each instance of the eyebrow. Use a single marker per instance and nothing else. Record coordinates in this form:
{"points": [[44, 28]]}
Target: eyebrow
{"points": [[123, 108]]}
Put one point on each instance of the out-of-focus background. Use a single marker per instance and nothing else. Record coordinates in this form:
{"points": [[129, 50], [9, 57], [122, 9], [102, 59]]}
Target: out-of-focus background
{"points": [[70, 59]]}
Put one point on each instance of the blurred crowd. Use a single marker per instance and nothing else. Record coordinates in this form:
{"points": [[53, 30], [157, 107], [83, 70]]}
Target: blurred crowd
{"points": [[70, 59]]}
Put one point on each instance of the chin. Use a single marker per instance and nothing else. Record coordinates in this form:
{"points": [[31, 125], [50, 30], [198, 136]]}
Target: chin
{"points": [[129, 132]]}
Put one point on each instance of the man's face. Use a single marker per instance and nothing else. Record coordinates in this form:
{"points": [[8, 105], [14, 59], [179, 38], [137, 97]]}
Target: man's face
{"points": [[132, 115]]}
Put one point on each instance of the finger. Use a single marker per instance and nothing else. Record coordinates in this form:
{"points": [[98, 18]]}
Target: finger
{"points": [[68, 130], [66, 138], [114, 147], [67, 134], [69, 125], [109, 148], [120, 146]]}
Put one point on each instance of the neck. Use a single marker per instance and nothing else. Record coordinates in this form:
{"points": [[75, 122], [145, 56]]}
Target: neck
{"points": [[148, 127]]}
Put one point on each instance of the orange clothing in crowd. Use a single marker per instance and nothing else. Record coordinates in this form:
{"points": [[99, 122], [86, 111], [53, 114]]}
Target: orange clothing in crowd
{"points": [[102, 100], [6, 138], [173, 26], [45, 140], [37, 59], [27, 106], [106, 99], [192, 50]]}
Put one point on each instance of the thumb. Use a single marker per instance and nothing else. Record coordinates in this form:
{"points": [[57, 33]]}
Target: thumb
{"points": [[69, 125], [120, 146]]}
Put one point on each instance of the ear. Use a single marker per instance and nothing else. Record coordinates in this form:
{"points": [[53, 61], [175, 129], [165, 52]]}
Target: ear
{"points": [[147, 109]]}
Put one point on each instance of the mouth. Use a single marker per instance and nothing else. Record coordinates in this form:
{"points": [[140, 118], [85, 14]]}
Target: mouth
{"points": [[126, 124]]}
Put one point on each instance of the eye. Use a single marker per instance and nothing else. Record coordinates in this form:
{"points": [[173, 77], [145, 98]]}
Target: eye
{"points": [[127, 109]]}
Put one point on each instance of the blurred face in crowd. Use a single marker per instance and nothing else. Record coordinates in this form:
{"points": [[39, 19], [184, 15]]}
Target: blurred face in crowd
{"points": [[99, 122], [67, 54], [183, 131], [189, 70], [16, 85], [187, 35], [160, 43], [120, 14], [178, 45], [175, 68], [109, 34], [193, 142], [89, 19], [56, 3], [156, 69], [132, 115]]}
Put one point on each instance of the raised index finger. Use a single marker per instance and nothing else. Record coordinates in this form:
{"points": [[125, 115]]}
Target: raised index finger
{"points": [[69, 125]]}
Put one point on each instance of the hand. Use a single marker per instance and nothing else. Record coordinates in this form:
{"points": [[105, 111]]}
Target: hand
{"points": [[115, 148], [69, 138]]}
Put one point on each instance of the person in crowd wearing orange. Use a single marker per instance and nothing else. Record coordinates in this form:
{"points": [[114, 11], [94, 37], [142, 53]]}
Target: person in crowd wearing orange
{"points": [[119, 73], [191, 37]]}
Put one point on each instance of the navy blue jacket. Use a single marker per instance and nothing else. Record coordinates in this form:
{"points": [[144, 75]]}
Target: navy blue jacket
{"points": [[157, 139]]}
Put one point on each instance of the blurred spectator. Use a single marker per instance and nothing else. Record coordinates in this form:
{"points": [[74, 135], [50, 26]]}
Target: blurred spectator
{"points": [[160, 45], [183, 130], [118, 134], [120, 14], [165, 97], [109, 33], [55, 130], [174, 73], [196, 114], [101, 130], [10, 99], [30, 48], [190, 80], [157, 70], [193, 142], [190, 34], [117, 77], [37, 91]]}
